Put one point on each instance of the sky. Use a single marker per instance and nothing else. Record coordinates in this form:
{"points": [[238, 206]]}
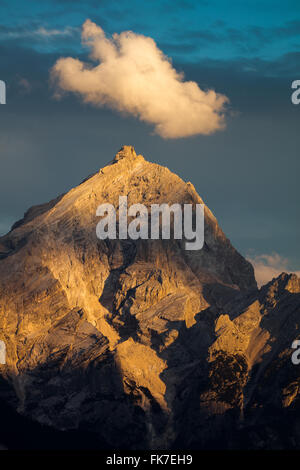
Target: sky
{"points": [[247, 51]]}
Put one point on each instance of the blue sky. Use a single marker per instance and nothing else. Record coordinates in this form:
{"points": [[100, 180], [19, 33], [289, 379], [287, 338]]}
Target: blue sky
{"points": [[248, 50], [189, 30]]}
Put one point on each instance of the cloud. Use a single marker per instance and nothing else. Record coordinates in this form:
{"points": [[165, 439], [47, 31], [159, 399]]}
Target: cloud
{"points": [[39, 33], [132, 75], [266, 267], [24, 85], [48, 33]]}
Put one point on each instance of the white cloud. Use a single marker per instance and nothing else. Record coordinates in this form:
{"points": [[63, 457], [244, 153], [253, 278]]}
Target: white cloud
{"points": [[41, 33], [266, 267], [47, 33], [132, 75]]}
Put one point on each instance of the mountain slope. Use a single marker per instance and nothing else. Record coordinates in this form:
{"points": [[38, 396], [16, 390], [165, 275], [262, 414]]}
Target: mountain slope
{"points": [[141, 342]]}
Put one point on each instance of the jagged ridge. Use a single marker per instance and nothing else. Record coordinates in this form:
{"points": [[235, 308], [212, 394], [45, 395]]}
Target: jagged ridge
{"points": [[139, 338]]}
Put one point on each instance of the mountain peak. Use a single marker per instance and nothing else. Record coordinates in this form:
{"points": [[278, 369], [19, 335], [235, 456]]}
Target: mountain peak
{"points": [[140, 341], [126, 151]]}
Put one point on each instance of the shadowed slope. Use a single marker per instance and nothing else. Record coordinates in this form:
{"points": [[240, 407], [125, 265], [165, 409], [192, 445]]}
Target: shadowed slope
{"points": [[120, 337]]}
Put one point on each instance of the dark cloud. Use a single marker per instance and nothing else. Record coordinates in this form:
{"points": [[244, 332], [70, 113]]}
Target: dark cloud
{"points": [[247, 39], [289, 29], [177, 48]]}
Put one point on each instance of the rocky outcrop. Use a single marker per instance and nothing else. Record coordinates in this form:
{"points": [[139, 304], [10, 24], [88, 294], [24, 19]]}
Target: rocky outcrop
{"points": [[142, 343]]}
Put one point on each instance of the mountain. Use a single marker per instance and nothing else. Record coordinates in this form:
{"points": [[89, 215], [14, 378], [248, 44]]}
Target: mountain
{"points": [[142, 343]]}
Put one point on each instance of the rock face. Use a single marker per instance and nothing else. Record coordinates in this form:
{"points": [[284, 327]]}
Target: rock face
{"points": [[142, 343]]}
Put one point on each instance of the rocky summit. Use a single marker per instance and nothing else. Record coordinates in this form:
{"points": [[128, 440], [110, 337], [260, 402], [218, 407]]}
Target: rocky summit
{"points": [[141, 344]]}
